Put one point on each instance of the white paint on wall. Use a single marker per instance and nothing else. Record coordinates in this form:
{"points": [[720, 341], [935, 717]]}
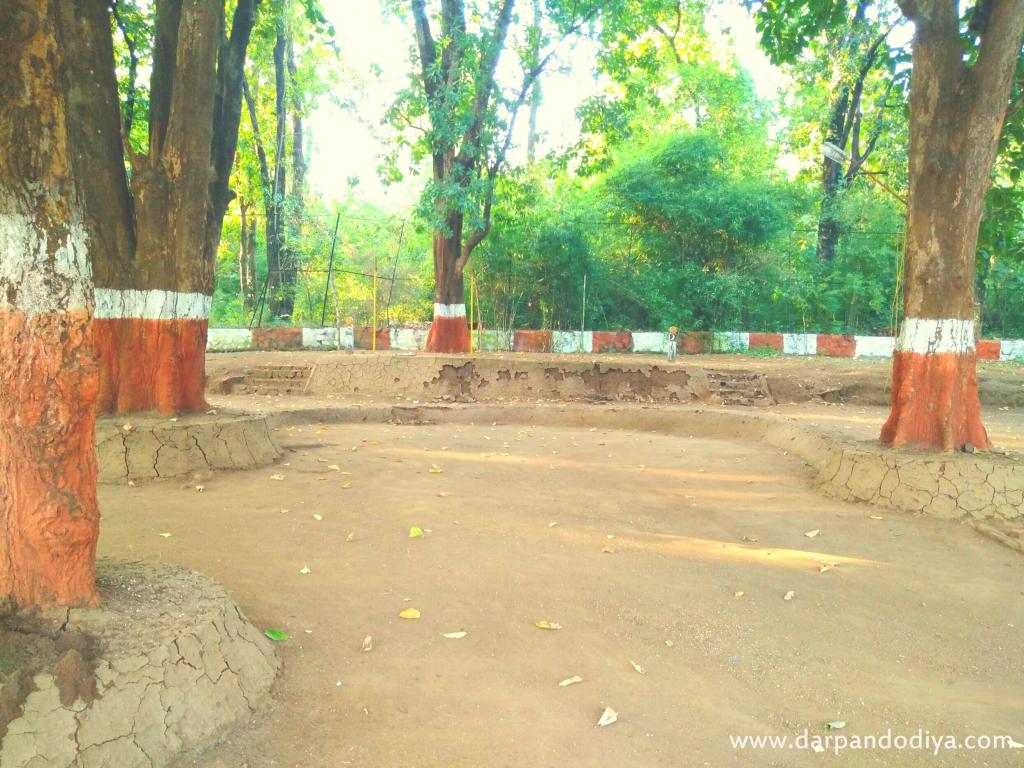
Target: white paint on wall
{"points": [[572, 341], [650, 342], [1011, 349], [873, 346], [732, 341], [497, 341], [926, 336], [449, 310], [228, 339], [155, 304], [410, 339], [38, 277], [800, 343], [319, 338]]}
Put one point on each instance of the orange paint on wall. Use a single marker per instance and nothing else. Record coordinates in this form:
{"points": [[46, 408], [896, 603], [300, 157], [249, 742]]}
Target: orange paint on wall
{"points": [[766, 341], [362, 338], [532, 341], [276, 338], [988, 349], [836, 345], [612, 341]]}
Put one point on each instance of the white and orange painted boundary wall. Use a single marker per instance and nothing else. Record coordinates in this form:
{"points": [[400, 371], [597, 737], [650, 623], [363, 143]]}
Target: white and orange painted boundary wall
{"points": [[593, 342]]}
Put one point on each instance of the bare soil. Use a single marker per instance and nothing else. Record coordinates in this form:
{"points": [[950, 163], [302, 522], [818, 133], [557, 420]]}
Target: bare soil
{"points": [[638, 545]]}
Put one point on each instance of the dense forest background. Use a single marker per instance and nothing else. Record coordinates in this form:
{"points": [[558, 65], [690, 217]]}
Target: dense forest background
{"points": [[687, 199]]}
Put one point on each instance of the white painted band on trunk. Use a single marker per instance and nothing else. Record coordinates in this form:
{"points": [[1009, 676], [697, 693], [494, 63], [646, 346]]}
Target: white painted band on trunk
{"points": [[449, 310], [935, 337], [38, 277], [113, 304]]}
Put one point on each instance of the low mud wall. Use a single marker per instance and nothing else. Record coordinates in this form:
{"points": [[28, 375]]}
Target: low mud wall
{"points": [[437, 377], [148, 447]]}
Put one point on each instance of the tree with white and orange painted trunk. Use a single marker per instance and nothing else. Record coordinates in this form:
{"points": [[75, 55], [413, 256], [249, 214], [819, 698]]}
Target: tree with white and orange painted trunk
{"points": [[49, 515], [155, 235], [962, 80], [467, 152], [957, 110]]}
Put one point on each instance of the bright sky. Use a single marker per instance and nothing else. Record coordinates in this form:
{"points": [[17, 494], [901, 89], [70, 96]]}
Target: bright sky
{"points": [[347, 144]]}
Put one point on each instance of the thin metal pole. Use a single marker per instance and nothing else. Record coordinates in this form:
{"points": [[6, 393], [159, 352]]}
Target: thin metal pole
{"points": [[330, 269], [394, 272], [583, 311], [374, 345]]}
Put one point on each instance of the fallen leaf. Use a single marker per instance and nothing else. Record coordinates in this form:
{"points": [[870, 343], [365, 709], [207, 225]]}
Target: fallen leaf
{"points": [[166, 535], [200, 488], [748, 538], [367, 643], [739, 594], [608, 717], [637, 667], [570, 681], [876, 517], [609, 550], [318, 517], [415, 533], [346, 486], [789, 595], [835, 725], [669, 643], [552, 525], [435, 470], [812, 534], [444, 494], [824, 568], [127, 427], [277, 477], [305, 569], [275, 634], [334, 467], [454, 635], [409, 613], [351, 536], [548, 625]]}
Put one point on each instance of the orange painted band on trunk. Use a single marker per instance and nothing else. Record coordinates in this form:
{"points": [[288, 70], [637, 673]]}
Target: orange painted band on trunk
{"points": [[49, 516], [449, 334], [935, 402], [151, 365]]}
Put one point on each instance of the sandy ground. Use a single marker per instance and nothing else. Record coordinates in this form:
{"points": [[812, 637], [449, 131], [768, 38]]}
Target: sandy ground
{"points": [[915, 624]]}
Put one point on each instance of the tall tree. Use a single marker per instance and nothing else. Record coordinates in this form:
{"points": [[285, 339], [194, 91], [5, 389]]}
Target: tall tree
{"points": [[49, 515], [963, 67], [156, 230], [851, 55], [466, 137]]}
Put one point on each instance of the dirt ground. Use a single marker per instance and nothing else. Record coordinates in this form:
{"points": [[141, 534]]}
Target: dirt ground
{"points": [[639, 546]]}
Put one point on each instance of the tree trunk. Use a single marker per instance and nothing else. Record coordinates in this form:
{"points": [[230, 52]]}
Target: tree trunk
{"points": [[828, 214], [956, 115], [244, 278], [449, 332], [152, 317], [49, 516], [281, 292]]}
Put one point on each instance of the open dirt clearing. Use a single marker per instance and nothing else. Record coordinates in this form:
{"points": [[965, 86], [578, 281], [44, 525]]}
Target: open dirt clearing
{"points": [[916, 625]]}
